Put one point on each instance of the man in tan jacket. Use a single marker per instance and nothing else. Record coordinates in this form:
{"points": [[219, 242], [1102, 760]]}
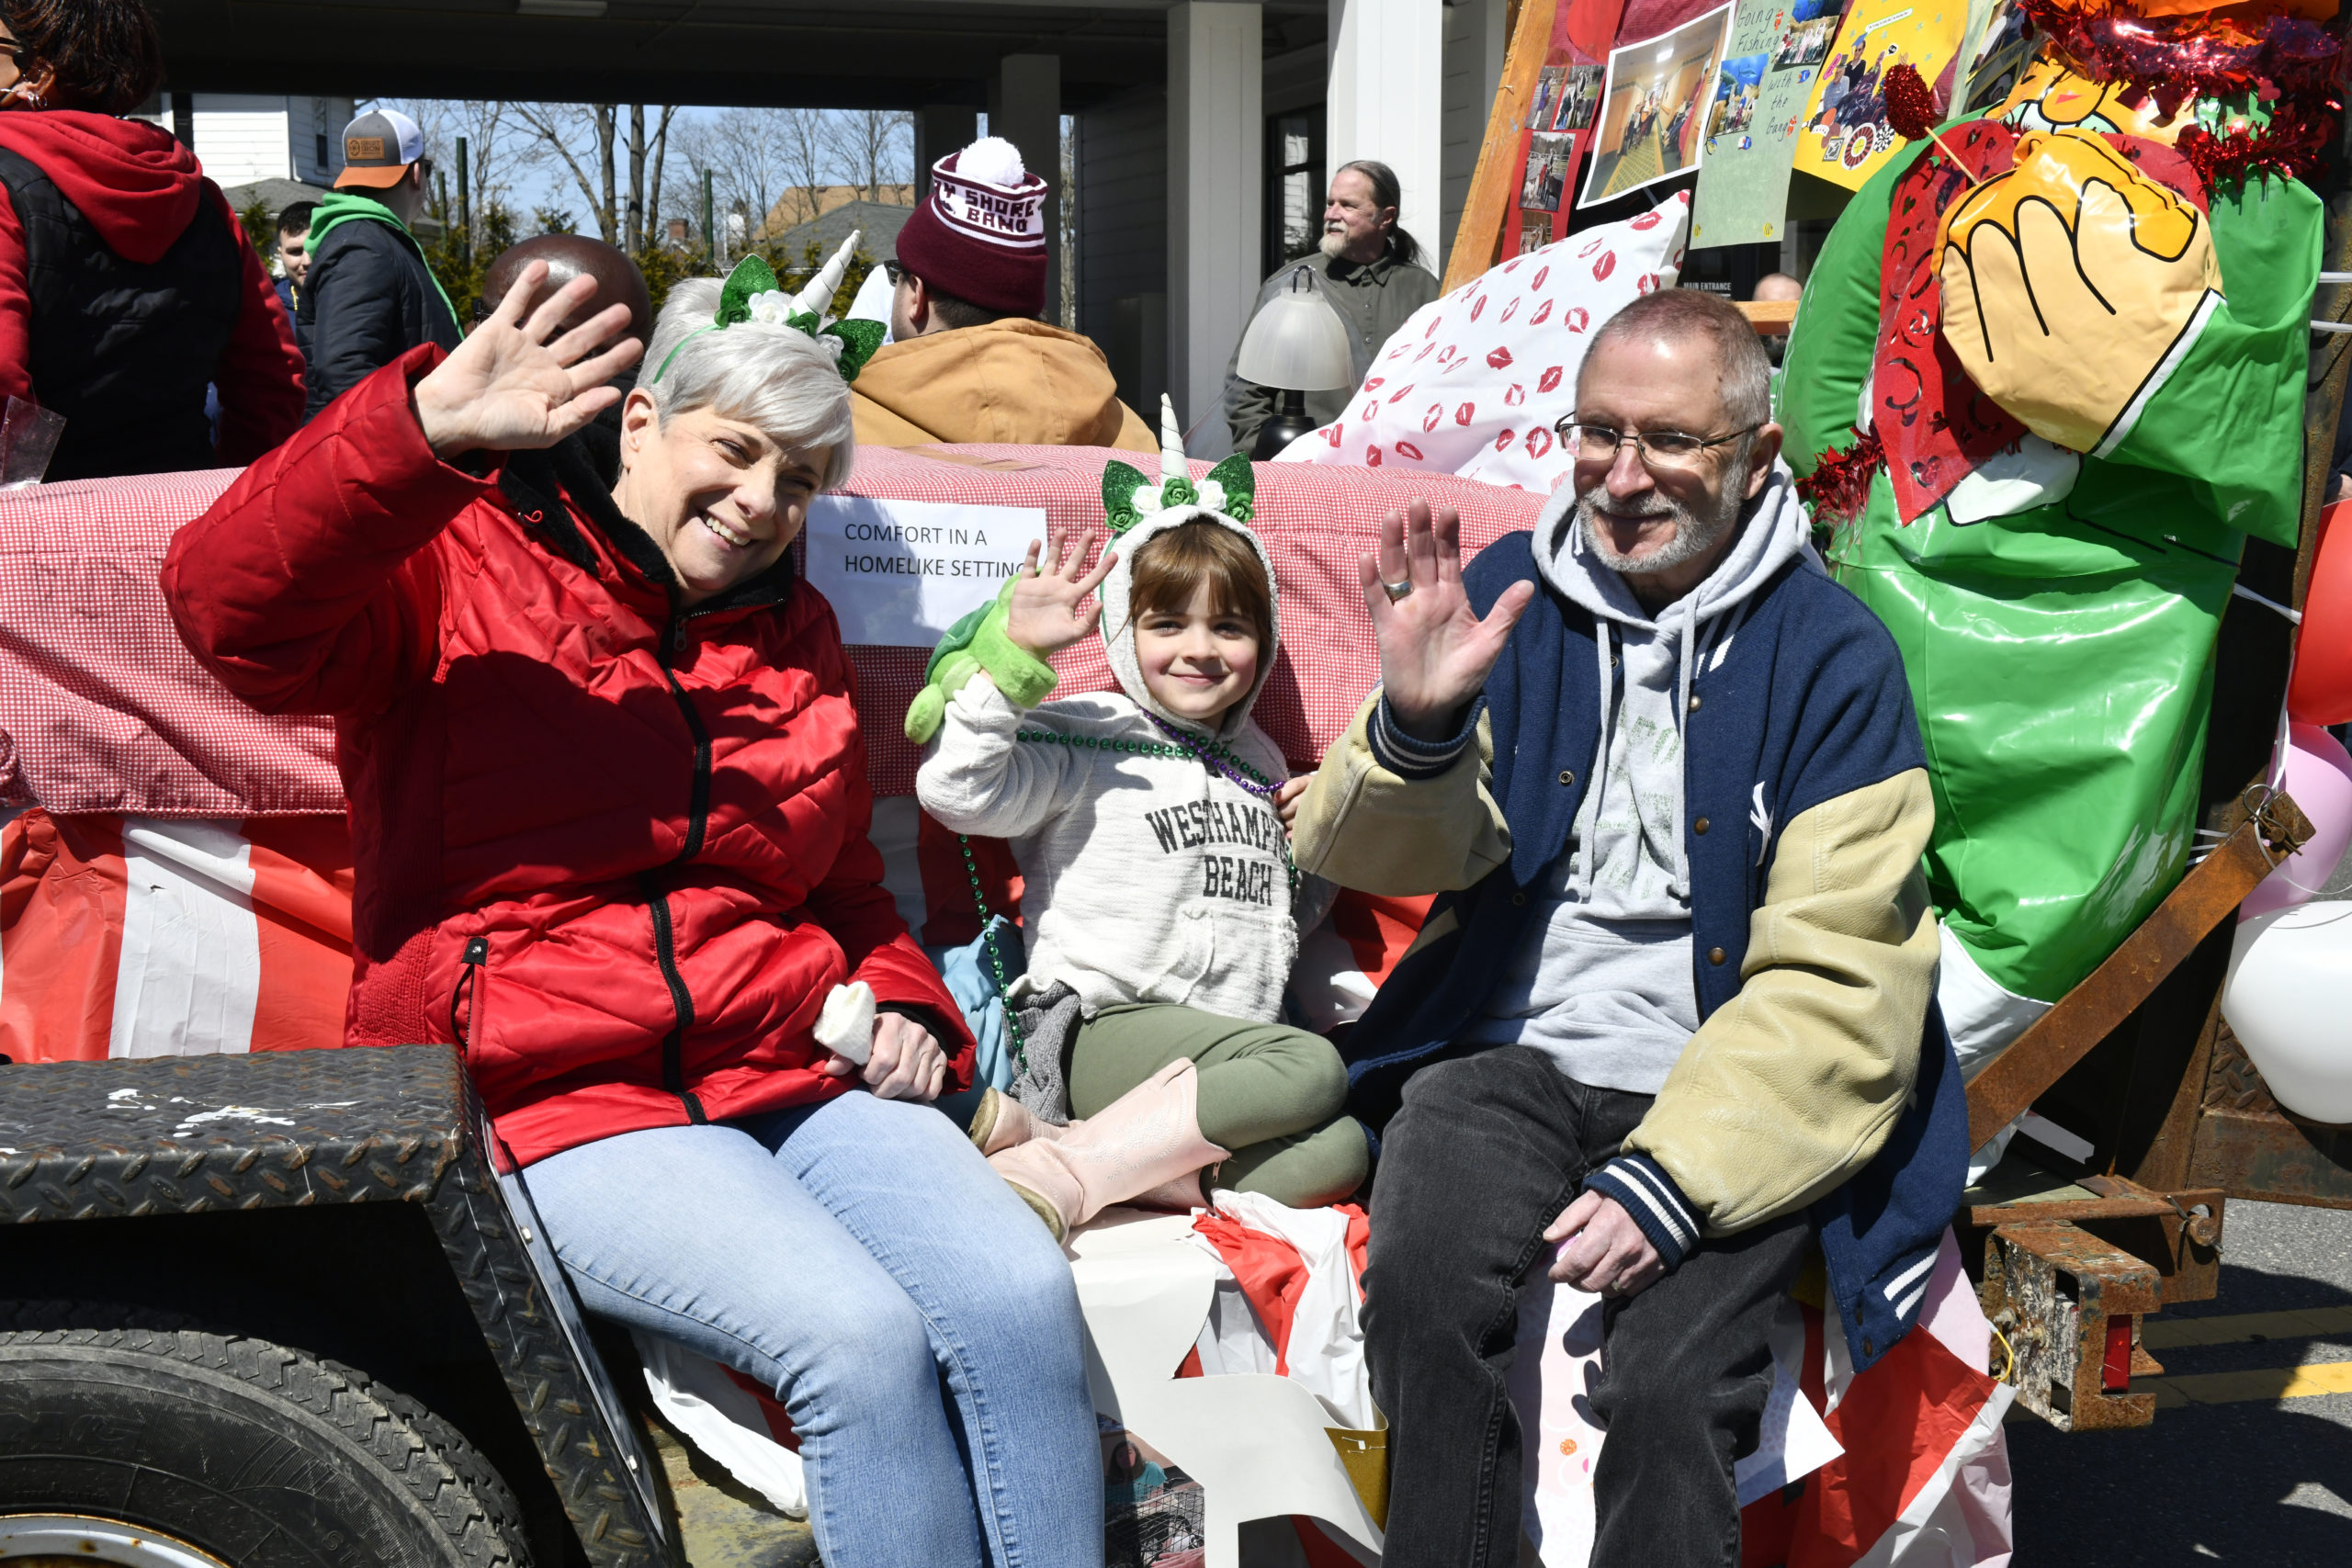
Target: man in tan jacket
{"points": [[968, 360]]}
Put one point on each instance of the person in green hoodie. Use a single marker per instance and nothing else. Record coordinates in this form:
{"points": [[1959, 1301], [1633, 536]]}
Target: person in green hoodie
{"points": [[371, 296]]}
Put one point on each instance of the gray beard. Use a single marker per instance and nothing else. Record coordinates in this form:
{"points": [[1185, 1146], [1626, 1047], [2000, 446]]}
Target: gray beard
{"points": [[1693, 535], [1334, 241]]}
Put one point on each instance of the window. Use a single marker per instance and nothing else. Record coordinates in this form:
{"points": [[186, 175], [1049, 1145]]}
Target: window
{"points": [[1293, 183]]}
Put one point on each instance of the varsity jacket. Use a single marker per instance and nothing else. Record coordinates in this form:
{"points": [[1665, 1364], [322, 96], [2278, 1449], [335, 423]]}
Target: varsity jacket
{"points": [[1820, 1077]]}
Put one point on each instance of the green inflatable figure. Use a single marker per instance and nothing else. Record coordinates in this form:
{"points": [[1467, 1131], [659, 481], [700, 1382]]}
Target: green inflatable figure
{"points": [[2047, 378]]}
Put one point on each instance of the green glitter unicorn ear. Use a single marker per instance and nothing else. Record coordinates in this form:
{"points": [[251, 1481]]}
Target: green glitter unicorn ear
{"points": [[1240, 482], [1120, 484], [752, 275]]}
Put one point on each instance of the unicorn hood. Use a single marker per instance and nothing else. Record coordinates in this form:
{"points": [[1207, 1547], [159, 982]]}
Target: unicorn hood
{"points": [[1138, 508]]}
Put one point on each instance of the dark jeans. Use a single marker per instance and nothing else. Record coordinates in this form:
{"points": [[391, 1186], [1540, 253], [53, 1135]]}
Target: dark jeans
{"points": [[1485, 1152]]}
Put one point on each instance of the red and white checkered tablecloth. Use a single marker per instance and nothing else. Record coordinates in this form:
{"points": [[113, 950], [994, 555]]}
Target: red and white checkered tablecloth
{"points": [[101, 709]]}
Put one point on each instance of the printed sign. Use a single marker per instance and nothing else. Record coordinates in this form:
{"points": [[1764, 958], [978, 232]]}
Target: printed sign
{"points": [[1776, 51], [1652, 120], [1846, 136], [901, 572]]}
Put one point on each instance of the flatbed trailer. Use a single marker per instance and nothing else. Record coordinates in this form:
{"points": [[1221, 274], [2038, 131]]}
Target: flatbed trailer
{"points": [[304, 1267]]}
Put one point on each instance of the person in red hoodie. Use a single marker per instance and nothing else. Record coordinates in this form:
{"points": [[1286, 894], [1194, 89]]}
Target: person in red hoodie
{"points": [[609, 806], [127, 286]]}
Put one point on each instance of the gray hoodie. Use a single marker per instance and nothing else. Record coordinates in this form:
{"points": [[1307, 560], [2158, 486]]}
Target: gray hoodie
{"points": [[1603, 983], [1146, 878]]}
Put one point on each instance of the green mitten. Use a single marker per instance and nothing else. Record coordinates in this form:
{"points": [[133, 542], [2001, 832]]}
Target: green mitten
{"points": [[1023, 678], [974, 643]]}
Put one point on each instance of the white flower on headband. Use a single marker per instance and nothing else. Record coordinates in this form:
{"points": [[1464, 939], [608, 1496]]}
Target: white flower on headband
{"points": [[774, 307]]}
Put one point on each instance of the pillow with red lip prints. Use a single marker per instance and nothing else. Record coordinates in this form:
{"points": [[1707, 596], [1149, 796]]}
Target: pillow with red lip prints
{"points": [[1473, 384]]}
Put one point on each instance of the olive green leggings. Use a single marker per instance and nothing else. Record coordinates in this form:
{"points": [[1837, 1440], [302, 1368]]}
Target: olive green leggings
{"points": [[1270, 1093]]}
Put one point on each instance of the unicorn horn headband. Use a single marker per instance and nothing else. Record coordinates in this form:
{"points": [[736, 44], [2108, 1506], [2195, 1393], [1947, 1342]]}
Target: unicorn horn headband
{"points": [[1129, 496], [753, 293]]}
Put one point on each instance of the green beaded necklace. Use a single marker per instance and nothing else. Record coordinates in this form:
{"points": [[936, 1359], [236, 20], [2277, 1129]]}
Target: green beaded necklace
{"points": [[1207, 757]]}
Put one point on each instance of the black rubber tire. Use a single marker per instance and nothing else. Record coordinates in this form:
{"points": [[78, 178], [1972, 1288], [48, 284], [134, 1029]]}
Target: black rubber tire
{"points": [[263, 1456]]}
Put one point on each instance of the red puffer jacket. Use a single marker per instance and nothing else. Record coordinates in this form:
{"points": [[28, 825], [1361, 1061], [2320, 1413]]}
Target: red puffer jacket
{"points": [[617, 852]]}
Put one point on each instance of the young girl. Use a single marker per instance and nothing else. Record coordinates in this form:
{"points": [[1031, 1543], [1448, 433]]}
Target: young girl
{"points": [[1150, 831]]}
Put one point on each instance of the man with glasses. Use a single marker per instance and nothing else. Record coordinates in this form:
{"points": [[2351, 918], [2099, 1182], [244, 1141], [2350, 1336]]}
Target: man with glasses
{"points": [[370, 297], [1669, 1025]]}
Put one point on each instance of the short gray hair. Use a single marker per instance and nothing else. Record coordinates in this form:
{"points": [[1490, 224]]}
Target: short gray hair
{"points": [[763, 373], [1745, 367]]}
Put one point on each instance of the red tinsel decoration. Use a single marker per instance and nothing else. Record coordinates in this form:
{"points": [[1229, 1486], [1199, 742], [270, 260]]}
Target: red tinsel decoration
{"points": [[1910, 103], [2291, 65], [2291, 144], [1839, 485], [2174, 59]]}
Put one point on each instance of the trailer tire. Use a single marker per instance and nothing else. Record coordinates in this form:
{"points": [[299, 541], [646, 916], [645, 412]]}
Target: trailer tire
{"points": [[259, 1455]]}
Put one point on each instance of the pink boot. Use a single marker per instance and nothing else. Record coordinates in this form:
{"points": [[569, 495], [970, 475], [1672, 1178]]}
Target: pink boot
{"points": [[1003, 1122], [1147, 1139]]}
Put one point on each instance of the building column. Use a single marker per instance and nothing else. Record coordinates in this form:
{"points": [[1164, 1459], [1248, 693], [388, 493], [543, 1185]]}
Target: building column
{"points": [[1474, 45], [940, 128], [1216, 129], [1387, 102], [1026, 108]]}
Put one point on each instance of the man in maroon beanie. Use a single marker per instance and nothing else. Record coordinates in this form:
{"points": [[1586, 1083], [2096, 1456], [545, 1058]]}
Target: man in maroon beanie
{"points": [[968, 359]]}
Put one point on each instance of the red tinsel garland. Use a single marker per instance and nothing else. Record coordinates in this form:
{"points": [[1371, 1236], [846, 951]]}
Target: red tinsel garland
{"points": [[2293, 65], [2294, 143], [2176, 59], [1839, 486]]}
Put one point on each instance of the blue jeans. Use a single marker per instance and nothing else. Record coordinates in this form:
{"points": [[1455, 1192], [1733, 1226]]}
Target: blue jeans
{"points": [[855, 1257]]}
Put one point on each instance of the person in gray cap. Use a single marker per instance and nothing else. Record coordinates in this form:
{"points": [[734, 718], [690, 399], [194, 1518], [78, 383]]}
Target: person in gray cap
{"points": [[371, 296]]}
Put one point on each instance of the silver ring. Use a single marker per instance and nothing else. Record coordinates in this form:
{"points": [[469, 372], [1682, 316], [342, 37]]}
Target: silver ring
{"points": [[1396, 590]]}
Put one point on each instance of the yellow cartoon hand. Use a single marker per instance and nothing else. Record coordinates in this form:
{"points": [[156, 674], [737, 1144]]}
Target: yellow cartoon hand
{"points": [[2068, 281]]}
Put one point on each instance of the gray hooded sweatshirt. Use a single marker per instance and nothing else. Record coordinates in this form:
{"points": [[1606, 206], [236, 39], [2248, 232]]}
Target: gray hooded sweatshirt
{"points": [[1603, 983], [1146, 878]]}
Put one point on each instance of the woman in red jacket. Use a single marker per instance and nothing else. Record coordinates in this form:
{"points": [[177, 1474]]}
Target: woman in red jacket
{"points": [[127, 287], [609, 803]]}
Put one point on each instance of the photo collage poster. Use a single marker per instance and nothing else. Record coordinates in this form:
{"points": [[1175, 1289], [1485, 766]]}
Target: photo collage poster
{"points": [[1776, 51], [1846, 137], [1552, 137], [1653, 107]]}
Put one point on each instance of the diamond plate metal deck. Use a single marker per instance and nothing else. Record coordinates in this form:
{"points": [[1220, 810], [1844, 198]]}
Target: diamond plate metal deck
{"points": [[199, 1134]]}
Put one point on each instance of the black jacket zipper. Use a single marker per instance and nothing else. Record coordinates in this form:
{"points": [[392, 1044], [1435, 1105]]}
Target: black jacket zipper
{"points": [[666, 948], [466, 992]]}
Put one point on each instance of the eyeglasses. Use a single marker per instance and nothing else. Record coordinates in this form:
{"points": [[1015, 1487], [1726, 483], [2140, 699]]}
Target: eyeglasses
{"points": [[1659, 449], [894, 272]]}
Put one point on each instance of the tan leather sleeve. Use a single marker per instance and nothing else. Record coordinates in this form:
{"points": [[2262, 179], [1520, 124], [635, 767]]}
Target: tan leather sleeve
{"points": [[1791, 1086], [1363, 826]]}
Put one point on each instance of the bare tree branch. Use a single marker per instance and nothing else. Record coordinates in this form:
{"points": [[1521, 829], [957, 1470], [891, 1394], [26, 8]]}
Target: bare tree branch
{"points": [[560, 128], [873, 147], [654, 212]]}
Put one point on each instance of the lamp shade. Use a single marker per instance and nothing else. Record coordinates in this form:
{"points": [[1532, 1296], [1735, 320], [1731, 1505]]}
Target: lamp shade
{"points": [[1297, 343]]}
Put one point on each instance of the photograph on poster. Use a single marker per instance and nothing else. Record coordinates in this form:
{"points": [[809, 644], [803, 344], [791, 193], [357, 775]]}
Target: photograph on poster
{"points": [[1650, 115], [1579, 101], [1551, 85], [1805, 43], [1534, 232], [1737, 83], [1546, 178]]}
